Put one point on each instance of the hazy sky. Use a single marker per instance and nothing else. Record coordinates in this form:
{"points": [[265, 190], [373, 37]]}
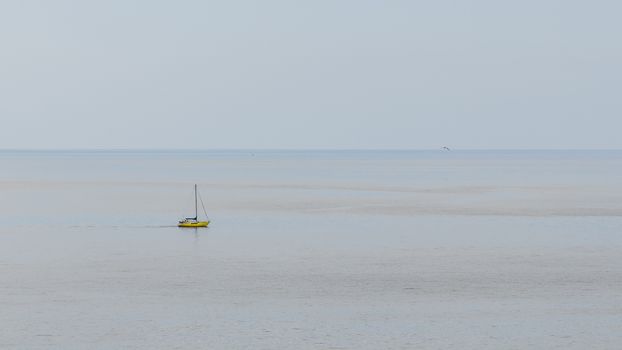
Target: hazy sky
{"points": [[310, 74]]}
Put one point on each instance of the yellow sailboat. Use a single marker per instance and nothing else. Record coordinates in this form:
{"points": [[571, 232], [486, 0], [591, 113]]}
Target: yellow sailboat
{"points": [[194, 222]]}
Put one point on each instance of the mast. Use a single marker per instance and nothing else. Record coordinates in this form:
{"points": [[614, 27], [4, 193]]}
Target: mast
{"points": [[196, 212]]}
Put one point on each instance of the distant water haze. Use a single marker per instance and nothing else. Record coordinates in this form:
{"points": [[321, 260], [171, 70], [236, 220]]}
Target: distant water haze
{"points": [[509, 183], [307, 250]]}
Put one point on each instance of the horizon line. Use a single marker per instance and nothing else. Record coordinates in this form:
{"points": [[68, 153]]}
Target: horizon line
{"points": [[291, 149]]}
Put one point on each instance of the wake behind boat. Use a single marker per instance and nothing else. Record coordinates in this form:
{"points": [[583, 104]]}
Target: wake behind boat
{"points": [[194, 222]]}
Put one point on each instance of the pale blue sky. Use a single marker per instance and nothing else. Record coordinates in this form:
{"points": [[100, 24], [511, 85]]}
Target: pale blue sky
{"points": [[310, 74]]}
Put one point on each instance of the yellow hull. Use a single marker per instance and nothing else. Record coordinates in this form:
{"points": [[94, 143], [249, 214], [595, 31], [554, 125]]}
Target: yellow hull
{"points": [[193, 224]]}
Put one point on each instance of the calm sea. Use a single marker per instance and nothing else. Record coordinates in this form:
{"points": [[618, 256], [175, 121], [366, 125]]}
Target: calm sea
{"points": [[311, 250]]}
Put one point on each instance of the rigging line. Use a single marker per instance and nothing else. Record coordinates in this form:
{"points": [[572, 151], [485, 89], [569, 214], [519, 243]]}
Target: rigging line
{"points": [[203, 206]]}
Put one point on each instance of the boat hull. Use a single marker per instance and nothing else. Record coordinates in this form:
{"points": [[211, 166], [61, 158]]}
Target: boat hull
{"points": [[193, 224]]}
